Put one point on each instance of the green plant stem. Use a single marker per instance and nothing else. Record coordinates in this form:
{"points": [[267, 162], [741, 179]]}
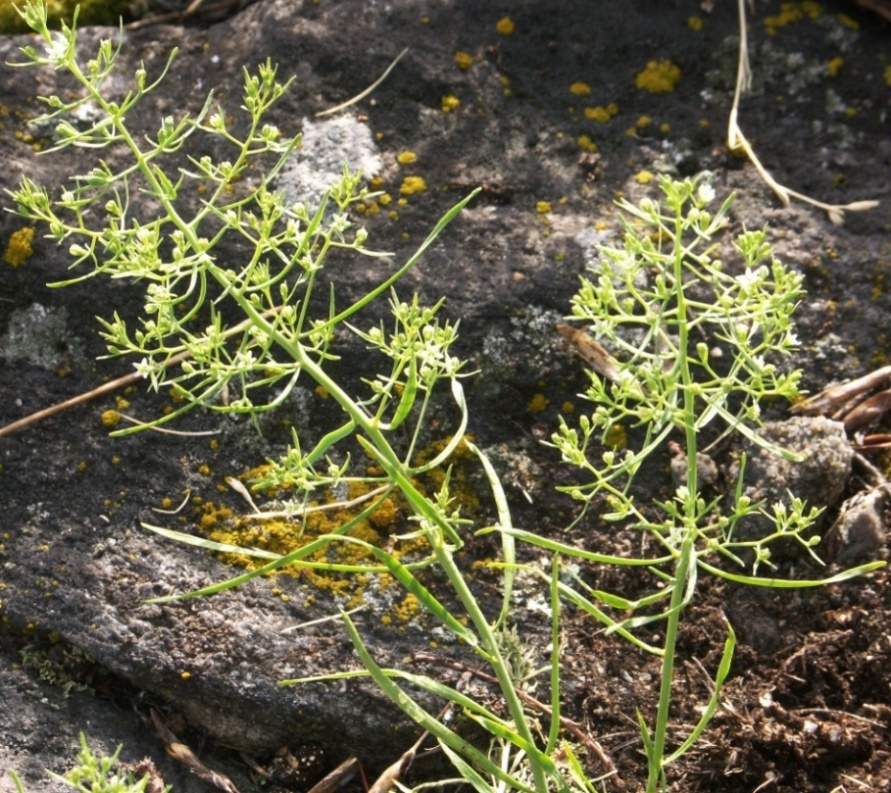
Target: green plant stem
{"points": [[685, 560], [377, 444], [447, 562], [656, 770], [441, 532]]}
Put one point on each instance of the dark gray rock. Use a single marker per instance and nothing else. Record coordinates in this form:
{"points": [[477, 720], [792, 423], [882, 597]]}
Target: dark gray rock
{"points": [[75, 564]]}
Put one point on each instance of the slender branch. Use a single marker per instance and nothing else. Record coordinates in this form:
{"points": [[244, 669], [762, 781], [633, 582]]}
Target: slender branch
{"points": [[111, 386]]}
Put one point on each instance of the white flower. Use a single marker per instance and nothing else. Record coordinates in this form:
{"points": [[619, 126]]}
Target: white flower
{"points": [[57, 49], [705, 193], [144, 368]]}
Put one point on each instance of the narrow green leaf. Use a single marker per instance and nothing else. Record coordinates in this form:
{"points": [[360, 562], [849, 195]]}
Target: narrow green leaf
{"points": [[554, 731], [411, 583], [209, 545], [505, 521], [784, 583], [570, 550], [714, 700], [420, 716], [409, 393]]}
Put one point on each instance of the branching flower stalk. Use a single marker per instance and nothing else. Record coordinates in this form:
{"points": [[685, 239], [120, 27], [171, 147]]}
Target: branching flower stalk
{"points": [[193, 285], [695, 342]]}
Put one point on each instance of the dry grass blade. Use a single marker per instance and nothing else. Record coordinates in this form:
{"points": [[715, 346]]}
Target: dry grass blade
{"points": [[107, 388], [388, 779], [366, 92], [337, 778], [880, 440], [736, 141], [182, 753], [835, 397], [299, 513], [868, 411], [880, 7]]}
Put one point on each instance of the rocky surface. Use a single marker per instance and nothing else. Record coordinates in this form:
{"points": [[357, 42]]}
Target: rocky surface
{"points": [[76, 566]]}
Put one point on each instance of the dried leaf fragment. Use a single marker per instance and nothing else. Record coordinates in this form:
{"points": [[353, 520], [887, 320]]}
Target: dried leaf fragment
{"points": [[591, 352]]}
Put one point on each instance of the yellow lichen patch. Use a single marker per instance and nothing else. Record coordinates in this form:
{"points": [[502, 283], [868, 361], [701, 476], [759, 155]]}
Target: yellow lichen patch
{"points": [[412, 184], [615, 437], [457, 468], [19, 249], [335, 566], [213, 515], [284, 536], [543, 207], [586, 144], [450, 103], [694, 23], [386, 516], [602, 114], [538, 403], [407, 609], [505, 26], [835, 66], [580, 89], [792, 12], [110, 418], [644, 177], [463, 60], [659, 77], [406, 157]]}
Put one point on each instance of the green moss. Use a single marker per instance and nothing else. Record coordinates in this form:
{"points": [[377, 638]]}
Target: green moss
{"points": [[92, 12]]}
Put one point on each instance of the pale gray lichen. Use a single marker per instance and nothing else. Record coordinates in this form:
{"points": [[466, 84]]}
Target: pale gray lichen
{"points": [[40, 336], [326, 146]]}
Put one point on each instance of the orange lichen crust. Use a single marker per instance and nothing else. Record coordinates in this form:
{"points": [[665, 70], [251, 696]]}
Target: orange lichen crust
{"points": [[19, 249], [321, 570], [659, 77]]}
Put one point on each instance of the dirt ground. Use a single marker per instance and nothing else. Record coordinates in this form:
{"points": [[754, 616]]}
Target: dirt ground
{"points": [[807, 706]]}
